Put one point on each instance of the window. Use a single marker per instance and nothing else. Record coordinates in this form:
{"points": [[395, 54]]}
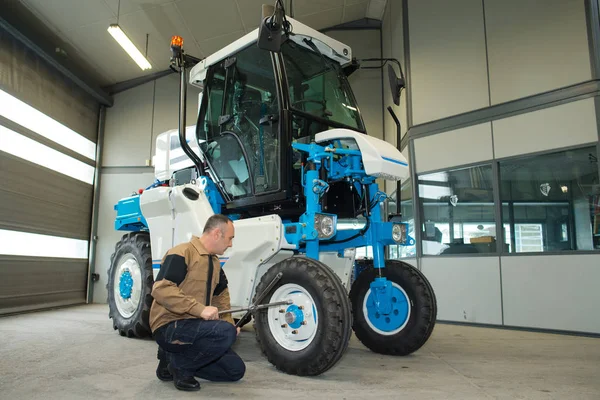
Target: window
{"points": [[20, 244], [242, 104], [457, 209], [23, 114], [406, 208], [28, 149], [551, 202], [318, 87]]}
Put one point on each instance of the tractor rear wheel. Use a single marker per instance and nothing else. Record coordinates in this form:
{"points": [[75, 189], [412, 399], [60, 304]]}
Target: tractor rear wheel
{"points": [[411, 318], [309, 336], [129, 286]]}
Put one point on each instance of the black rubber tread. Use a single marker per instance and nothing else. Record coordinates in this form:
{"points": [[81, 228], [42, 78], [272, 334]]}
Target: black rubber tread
{"points": [[333, 308], [137, 244], [423, 310], [434, 309]]}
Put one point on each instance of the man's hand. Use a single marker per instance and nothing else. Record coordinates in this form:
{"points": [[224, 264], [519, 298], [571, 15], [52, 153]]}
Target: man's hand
{"points": [[210, 312], [238, 330]]}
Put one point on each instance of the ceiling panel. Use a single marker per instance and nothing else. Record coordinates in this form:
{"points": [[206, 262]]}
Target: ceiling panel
{"points": [[172, 23], [223, 18], [210, 46], [251, 11], [376, 9], [323, 19], [155, 22], [74, 14], [83, 24], [128, 6], [306, 7], [355, 11], [103, 53]]}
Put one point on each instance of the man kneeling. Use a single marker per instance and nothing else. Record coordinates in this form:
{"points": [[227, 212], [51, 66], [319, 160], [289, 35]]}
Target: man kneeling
{"points": [[189, 290]]}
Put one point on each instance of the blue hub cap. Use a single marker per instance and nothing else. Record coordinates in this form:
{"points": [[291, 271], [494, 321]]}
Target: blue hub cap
{"points": [[294, 316], [390, 318], [125, 284]]}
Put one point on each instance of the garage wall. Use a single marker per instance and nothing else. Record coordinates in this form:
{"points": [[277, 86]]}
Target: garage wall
{"points": [[447, 58], [495, 82], [462, 146], [554, 292], [543, 47], [467, 288], [566, 125]]}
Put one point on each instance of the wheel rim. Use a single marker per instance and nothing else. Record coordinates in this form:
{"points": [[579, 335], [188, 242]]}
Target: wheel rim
{"points": [[393, 322], [295, 326], [127, 287]]}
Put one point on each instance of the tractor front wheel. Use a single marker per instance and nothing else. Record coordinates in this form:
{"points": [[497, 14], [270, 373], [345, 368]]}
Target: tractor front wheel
{"points": [[129, 286], [407, 323], [310, 335]]}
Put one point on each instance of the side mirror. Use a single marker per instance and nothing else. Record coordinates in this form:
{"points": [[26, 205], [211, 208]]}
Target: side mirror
{"points": [[396, 84], [270, 31]]}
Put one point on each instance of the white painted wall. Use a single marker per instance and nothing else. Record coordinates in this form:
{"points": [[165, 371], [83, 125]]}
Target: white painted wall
{"points": [[535, 46], [462, 146], [447, 57], [550, 128], [467, 288], [552, 292]]}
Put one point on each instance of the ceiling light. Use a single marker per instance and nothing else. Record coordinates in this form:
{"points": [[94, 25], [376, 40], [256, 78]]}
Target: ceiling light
{"points": [[127, 45]]}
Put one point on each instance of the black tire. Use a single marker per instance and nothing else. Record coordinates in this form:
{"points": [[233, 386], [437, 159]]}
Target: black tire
{"points": [[333, 324], [421, 319], [136, 245]]}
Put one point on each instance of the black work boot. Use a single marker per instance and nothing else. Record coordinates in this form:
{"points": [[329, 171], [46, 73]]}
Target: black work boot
{"points": [[186, 383], [162, 371]]}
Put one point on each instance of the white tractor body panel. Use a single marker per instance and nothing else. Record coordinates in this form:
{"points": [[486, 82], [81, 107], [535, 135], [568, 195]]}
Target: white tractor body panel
{"points": [[329, 47], [173, 218], [381, 159]]}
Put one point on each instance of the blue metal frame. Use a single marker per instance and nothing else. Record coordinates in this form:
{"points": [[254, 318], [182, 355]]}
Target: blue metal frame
{"points": [[340, 163]]}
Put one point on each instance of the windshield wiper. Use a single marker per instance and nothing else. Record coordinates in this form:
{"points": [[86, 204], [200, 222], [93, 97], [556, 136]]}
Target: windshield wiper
{"points": [[314, 48]]}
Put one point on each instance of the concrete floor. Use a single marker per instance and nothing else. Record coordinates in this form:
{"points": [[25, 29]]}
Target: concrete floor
{"points": [[73, 353]]}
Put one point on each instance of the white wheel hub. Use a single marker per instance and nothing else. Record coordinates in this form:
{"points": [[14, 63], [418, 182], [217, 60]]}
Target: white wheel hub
{"points": [[295, 326], [127, 285]]}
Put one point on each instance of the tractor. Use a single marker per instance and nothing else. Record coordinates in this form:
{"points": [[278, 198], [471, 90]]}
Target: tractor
{"points": [[280, 147]]}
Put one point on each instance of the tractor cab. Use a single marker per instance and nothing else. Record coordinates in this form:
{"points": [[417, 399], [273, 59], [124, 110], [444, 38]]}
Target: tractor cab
{"points": [[256, 103]]}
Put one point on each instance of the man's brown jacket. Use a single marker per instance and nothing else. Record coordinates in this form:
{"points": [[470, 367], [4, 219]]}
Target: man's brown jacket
{"points": [[185, 285]]}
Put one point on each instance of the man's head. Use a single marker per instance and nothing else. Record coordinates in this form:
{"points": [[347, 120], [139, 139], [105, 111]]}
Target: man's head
{"points": [[218, 234]]}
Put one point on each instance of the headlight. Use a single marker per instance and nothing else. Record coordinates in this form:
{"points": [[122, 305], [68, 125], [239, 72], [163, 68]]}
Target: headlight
{"points": [[325, 225], [399, 233]]}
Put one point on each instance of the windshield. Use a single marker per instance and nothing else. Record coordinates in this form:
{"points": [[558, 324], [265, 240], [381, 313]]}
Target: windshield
{"points": [[318, 86]]}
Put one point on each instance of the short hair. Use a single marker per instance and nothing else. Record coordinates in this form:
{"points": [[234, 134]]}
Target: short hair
{"points": [[216, 221]]}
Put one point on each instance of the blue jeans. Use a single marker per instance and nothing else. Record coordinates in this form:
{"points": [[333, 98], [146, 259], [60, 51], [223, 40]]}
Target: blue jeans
{"points": [[197, 347]]}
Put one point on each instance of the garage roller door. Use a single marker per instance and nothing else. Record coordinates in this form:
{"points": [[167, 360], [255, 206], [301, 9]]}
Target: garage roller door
{"points": [[47, 158]]}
